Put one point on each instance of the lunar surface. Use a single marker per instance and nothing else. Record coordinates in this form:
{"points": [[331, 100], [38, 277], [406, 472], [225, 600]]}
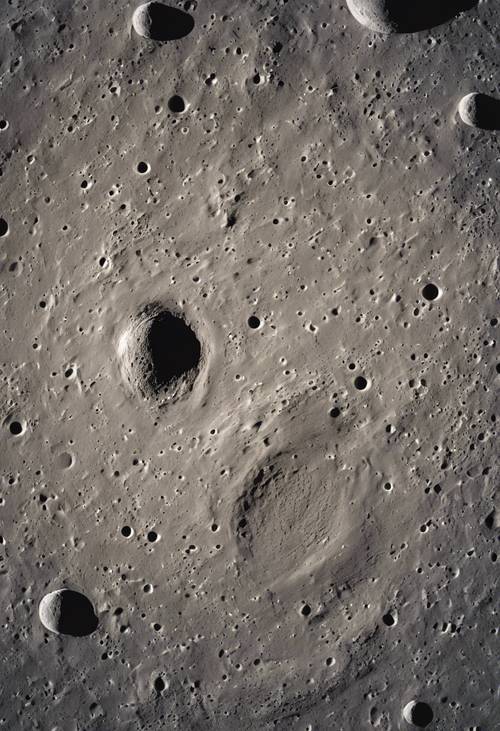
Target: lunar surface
{"points": [[250, 366]]}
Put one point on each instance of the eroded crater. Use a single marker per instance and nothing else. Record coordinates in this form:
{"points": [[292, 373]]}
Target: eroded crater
{"points": [[287, 518]]}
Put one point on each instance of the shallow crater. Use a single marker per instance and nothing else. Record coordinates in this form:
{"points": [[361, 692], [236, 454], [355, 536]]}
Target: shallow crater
{"points": [[288, 518]]}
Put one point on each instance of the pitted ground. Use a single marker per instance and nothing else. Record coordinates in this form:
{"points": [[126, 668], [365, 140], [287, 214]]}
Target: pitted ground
{"points": [[319, 180]]}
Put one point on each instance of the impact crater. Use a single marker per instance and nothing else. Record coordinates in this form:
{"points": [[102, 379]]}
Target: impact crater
{"points": [[288, 518], [159, 22], [67, 612], [160, 354], [480, 111], [395, 16]]}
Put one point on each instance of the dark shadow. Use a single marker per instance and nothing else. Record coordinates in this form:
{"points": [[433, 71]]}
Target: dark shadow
{"points": [[174, 349], [486, 112], [76, 616], [176, 104], [421, 714], [418, 15], [167, 23]]}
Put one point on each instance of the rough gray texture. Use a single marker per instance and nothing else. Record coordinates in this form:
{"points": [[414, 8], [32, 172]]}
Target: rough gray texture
{"points": [[306, 538]]}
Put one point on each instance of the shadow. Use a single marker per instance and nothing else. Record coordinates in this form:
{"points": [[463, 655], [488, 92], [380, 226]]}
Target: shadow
{"points": [[412, 17], [76, 616], [174, 349], [167, 23], [485, 112]]}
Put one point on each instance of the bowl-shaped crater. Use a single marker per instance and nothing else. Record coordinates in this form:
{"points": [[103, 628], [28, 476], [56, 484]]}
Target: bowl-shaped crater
{"points": [[160, 354]]}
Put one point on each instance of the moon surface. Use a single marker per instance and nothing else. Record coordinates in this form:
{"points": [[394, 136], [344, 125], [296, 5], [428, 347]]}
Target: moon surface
{"points": [[249, 365]]}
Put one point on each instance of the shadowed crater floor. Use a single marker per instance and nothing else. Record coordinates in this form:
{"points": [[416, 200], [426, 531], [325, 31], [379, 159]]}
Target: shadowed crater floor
{"points": [[67, 612], [481, 111], [160, 353], [160, 22], [394, 16]]}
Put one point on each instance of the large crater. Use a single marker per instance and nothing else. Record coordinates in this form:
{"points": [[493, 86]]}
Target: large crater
{"points": [[159, 22], [160, 354], [397, 16], [289, 517], [67, 612]]}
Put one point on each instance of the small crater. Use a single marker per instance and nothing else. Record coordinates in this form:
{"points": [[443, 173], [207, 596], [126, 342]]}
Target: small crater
{"points": [[159, 684], [430, 292], [361, 383], [65, 461], [4, 227], [159, 22], [253, 322], [176, 104], [16, 427], [67, 612], [389, 619]]}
